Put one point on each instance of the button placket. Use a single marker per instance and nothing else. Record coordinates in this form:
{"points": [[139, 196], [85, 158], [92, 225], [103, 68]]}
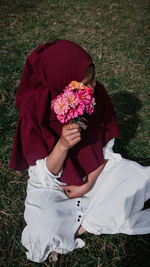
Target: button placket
{"points": [[79, 217], [78, 203], [79, 212]]}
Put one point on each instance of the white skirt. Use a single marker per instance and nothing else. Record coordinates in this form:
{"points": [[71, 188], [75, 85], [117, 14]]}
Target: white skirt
{"points": [[113, 205]]}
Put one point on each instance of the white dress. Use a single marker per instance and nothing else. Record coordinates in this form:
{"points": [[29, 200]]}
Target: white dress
{"points": [[113, 205]]}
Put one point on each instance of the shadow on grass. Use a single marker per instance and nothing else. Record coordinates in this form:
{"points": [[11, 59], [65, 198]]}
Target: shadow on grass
{"points": [[127, 107], [137, 252], [136, 247]]}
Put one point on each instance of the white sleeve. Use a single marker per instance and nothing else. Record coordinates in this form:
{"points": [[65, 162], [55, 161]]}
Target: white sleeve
{"points": [[41, 172], [108, 151]]}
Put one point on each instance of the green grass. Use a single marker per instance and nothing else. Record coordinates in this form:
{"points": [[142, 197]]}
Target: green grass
{"points": [[116, 34]]}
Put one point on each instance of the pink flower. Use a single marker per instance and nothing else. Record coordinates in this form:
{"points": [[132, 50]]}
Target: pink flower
{"points": [[88, 89], [60, 105], [90, 107], [76, 100], [72, 98], [84, 96], [73, 113], [81, 109], [61, 118]]}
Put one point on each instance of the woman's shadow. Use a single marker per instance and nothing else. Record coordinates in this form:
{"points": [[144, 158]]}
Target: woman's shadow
{"points": [[127, 107]]}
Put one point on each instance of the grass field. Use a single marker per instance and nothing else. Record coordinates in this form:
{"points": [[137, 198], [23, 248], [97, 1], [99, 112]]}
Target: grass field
{"points": [[116, 34]]}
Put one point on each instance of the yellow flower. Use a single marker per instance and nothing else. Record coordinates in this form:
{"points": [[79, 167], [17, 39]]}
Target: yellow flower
{"points": [[76, 85]]}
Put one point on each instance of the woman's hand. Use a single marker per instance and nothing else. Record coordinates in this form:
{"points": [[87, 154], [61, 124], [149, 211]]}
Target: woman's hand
{"points": [[70, 136], [75, 191]]}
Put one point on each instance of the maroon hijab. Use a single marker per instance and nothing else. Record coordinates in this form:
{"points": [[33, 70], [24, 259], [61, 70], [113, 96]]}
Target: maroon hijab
{"points": [[48, 69]]}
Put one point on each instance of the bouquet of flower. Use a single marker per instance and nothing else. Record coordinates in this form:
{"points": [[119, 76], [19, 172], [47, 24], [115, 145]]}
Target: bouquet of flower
{"points": [[75, 101]]}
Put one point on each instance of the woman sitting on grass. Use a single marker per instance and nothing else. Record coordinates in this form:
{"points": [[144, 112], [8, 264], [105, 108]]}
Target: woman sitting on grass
{"points": [[76, 182]]}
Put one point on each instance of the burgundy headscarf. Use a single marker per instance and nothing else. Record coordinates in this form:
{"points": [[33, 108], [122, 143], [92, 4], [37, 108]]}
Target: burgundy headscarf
{"points": [[48, 69]]}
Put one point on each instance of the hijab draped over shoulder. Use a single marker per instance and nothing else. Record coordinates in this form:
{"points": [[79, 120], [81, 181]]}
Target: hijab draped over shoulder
{"points": [[48, 70]]}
